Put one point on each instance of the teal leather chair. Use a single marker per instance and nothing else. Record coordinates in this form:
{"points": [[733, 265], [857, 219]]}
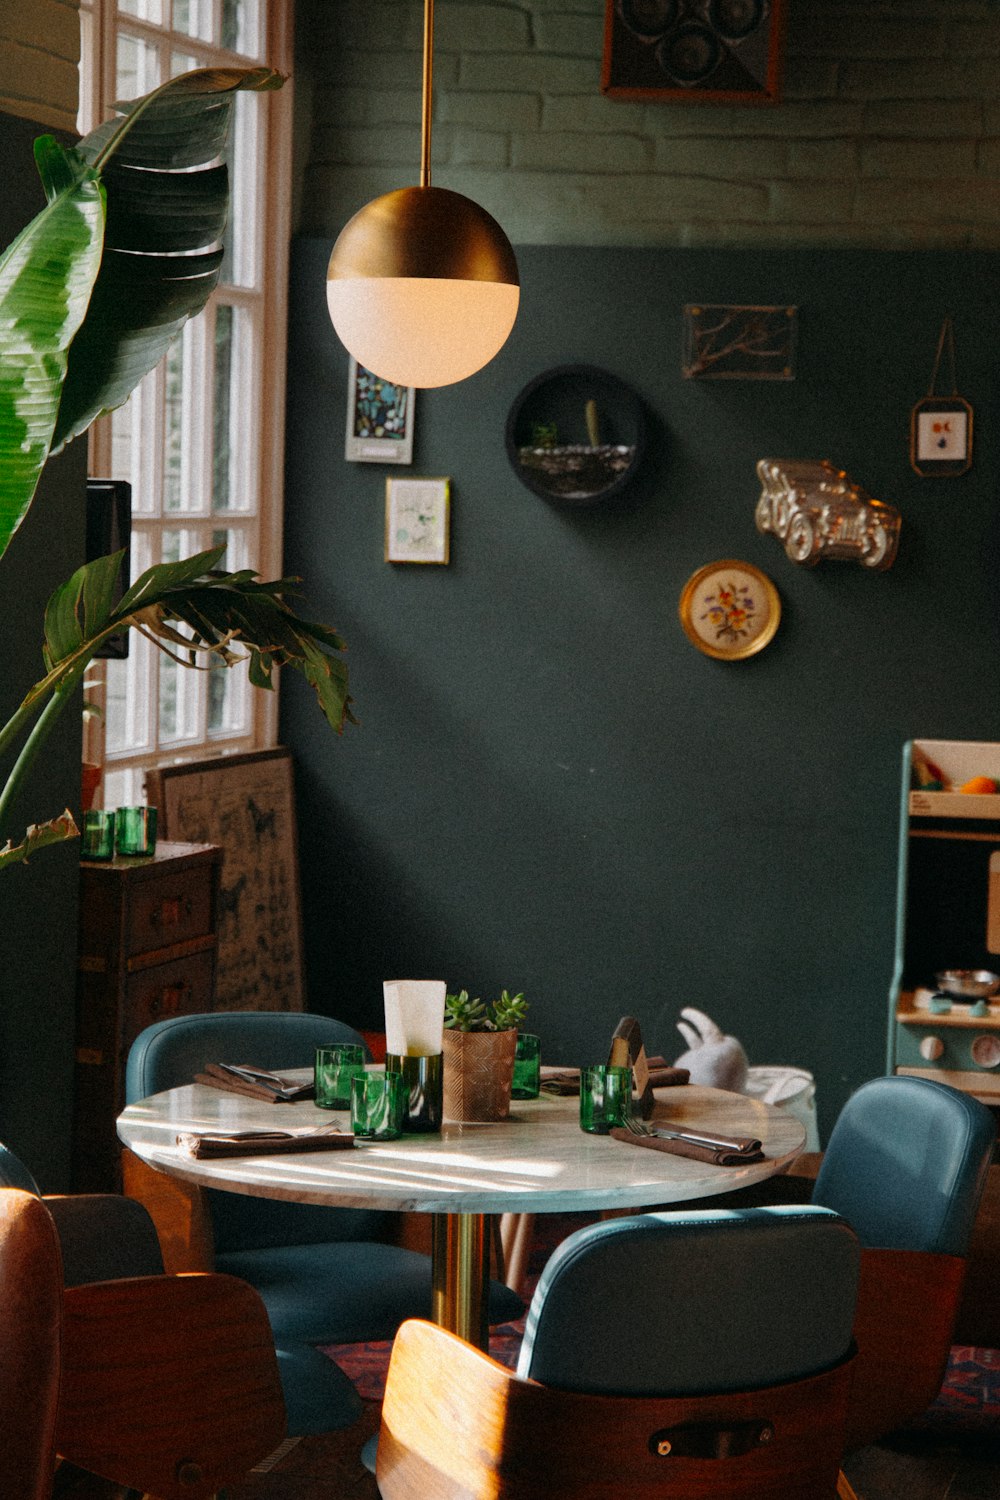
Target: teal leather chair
{"points": [[326, 1275], [665, 1355]]}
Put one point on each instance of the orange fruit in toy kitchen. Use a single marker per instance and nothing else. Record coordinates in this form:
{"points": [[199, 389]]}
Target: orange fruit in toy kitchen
{"points": [[981, 786]]}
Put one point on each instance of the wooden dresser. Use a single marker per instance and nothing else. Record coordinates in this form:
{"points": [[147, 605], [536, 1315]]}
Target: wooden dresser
{"points": [[146, 951]]}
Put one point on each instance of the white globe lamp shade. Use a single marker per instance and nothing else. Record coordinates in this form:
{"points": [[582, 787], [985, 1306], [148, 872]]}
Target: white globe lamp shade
{"points": [[422, 287]]}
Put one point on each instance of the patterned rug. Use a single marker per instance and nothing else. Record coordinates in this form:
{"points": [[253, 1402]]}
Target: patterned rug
{"points": [[969, 1400]]}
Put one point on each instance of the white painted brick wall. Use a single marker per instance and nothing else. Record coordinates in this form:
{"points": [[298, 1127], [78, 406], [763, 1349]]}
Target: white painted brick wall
{"points": [[39, 53], [888, 136]]}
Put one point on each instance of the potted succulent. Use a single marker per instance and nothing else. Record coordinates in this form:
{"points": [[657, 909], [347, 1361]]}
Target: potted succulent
{"points": [[479, 1044]]}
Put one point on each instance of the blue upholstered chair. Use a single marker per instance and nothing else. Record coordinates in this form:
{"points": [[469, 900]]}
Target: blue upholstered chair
{"points": [[326, 1275], [665, 1355]]}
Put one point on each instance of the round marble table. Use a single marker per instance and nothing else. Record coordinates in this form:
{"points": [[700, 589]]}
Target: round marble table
{"points": [[538, 1161]]}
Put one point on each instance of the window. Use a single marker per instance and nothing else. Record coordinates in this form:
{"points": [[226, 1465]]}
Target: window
{"points": [[201, 438]]}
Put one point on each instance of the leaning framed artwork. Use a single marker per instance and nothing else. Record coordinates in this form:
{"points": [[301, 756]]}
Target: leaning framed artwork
{"points": [[417, 520], [379, 418], [712, 52], [246, 805], [729, 609]]}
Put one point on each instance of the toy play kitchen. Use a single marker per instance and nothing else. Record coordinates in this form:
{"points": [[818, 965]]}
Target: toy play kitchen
{"points": [[944, 1003]]}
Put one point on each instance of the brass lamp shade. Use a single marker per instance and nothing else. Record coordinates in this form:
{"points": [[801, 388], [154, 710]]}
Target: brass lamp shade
{"points": [[423, 287]]}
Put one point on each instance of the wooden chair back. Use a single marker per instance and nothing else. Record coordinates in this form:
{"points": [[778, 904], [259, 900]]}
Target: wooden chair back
{"points": [[31, 1291], [456, 1425]]}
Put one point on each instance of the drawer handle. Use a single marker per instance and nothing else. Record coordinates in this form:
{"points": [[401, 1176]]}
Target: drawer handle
{"points": [[170, 912], [168, 1002]]}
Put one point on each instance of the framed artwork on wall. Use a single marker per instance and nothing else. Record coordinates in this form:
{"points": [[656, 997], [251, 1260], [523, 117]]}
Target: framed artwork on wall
{"points": [[379, 419], [694, 51], [417, 520], [729, 609]]}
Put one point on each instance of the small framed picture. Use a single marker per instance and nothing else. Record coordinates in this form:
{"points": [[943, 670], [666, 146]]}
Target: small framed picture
{"points": [[729, 609], [379, 419], [417, 520], [941, 436]]}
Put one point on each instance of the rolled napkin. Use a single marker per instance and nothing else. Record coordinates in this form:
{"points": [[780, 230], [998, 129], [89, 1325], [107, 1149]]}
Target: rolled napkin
{"points": [[414, 1016], [202, 1145], [566, 1081], [255, 1083], [720, 1150]]}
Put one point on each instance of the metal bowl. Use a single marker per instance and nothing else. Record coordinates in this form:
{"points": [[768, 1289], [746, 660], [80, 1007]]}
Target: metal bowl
{"points": [[970, 983]]}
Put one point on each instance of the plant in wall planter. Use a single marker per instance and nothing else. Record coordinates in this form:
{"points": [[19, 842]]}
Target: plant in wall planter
{"points": [[93, 292], [479, 1044]]}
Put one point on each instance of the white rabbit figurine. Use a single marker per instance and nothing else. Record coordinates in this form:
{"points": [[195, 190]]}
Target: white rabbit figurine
{"points": [[713, 1060]]}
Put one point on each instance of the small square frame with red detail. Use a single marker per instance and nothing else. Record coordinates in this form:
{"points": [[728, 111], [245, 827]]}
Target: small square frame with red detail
{"points": [[941, 436]]}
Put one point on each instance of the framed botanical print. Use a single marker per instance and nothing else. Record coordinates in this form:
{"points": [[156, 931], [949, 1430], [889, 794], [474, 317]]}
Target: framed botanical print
{"points": [[417, 520], [729, 609], [694, 51]]}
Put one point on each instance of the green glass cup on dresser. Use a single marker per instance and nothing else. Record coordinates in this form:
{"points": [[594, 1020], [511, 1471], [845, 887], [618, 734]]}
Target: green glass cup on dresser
{"points": [[605, 1098], [335, 1068], [98, 838]]}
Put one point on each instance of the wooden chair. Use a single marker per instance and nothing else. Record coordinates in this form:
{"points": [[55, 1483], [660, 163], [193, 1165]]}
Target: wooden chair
{"points": [[666, 1355], [31, 1289], [168, 1385]]}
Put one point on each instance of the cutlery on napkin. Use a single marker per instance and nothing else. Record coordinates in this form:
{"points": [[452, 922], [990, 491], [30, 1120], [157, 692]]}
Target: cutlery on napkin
{"points": [[720, 1150], [256, 1083], [263, 1142]]}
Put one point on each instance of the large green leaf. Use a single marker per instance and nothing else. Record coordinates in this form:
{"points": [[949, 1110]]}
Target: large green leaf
{"points": [[86, 311]]}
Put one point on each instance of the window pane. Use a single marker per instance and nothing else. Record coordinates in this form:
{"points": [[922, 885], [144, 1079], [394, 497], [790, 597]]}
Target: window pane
{"points": [[240, 259], [241, 27], [194, 18], [178, 717], [184, 417], [133, 445], [182, 62], [229, 687], [143, 10], [130, 683], [137, 68], [235, 443]]}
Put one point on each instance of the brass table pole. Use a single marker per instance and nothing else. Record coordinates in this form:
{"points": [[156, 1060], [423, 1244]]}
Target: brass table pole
{"points": [[460, 1248]]}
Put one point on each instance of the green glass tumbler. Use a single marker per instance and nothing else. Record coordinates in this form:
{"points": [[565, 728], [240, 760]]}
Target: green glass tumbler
{"points": [[98, 838], [423, 1083], [135, 830], [527, 1067], [335, 1068], [378, 1102], [605, 1098]]}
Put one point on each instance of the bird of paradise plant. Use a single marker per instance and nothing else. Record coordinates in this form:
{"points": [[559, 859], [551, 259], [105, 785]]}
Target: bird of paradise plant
{"points": [[92, 293]]}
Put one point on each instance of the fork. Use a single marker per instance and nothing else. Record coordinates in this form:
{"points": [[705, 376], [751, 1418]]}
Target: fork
{"points": [[640, 1128]]}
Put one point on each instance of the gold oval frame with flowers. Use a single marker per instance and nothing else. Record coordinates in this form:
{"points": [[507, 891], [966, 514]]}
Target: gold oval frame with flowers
{"points": [[729, 609]]}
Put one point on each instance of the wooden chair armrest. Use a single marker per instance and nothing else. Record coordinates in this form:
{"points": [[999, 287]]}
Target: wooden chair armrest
{"points": [[31, 1279], [179, 1211], [169, 1383]]}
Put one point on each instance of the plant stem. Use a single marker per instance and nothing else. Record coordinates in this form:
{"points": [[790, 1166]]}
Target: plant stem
{"points": [[36, 739]]}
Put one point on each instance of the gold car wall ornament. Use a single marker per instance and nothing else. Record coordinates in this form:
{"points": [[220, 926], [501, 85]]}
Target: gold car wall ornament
{"points": [[941, 426], [817, 511]]}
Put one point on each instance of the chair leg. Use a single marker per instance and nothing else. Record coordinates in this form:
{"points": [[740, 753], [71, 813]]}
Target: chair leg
{"points": [[845, 1490]]}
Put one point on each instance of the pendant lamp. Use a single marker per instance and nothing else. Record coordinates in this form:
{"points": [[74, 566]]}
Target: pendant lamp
{"points": [[422, 284]]}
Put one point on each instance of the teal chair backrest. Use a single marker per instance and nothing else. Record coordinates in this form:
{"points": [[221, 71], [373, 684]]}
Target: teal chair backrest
{"points": [[170, 1053], [694, 1303], [906, 1165]]}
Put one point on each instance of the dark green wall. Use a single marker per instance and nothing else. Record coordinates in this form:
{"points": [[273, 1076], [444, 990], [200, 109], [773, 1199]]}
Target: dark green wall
{"points": [[550, 788], [38, 901]]}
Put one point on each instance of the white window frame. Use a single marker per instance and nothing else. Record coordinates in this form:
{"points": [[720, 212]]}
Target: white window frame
{"points": [[265, 303]]}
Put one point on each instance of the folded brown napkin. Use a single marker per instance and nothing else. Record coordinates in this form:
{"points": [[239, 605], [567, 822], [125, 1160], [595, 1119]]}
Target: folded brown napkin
{"points": [[263, 1142], [255, 1083], [567, 1080], [726, 1151]]}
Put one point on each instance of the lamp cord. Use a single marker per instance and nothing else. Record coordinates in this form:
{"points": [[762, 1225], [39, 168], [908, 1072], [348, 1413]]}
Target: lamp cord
{"points": [[428, 95]]}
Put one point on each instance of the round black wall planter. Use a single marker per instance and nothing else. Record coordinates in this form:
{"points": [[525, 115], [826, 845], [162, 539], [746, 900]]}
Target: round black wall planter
{"points": [[550, 435]]}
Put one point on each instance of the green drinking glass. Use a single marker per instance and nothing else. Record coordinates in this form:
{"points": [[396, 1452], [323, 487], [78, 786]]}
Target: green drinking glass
{"points": [[605, 1098], [378, 1103], [98, 838], [527, 1067], [335, 1068]]}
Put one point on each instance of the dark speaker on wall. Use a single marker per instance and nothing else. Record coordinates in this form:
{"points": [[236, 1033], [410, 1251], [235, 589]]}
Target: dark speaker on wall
{"points": [[109, 529]]}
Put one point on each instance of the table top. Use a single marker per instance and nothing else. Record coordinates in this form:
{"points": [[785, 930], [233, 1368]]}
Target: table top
{"points": [[538, 1161]]}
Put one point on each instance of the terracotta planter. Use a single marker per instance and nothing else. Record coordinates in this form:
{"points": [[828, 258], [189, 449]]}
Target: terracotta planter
{"points": [[478, 1073]]}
